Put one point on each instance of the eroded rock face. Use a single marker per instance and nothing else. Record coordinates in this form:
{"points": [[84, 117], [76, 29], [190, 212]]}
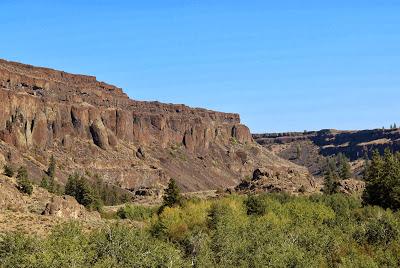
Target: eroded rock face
{"points": [[92, 126]]}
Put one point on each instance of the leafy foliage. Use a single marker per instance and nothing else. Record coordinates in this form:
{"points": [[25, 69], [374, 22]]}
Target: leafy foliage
{"points": [[318, 231], [134, 212], [255, 206]]}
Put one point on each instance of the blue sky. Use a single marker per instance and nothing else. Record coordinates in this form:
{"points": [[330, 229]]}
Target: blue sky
{"points": [[283, 65]]}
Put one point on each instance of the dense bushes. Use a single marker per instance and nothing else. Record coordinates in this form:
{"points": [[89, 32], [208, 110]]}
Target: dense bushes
{"points": [[134, 212], [93, 193], [318, 231], [68, 246]]}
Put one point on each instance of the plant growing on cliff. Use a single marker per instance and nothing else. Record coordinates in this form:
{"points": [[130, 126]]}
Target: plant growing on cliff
{"points": [[8, 171], [51, 171], [24, 185]]}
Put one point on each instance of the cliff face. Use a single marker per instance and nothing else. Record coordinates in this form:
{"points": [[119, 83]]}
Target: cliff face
{"points": [[310, 149], [94, 127], [42, 106]]}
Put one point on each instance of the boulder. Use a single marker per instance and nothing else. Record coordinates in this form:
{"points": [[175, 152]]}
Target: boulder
{"points": [[67, 207]]}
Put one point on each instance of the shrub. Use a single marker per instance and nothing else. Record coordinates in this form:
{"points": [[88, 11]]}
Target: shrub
{"points": [[126, 247], [255, 206], [138, 213], [8, 171], [16, 250]]}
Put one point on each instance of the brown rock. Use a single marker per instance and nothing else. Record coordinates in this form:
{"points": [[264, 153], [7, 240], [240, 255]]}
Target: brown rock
{"points": [[63, 114], [66, 207], [351, 186]]}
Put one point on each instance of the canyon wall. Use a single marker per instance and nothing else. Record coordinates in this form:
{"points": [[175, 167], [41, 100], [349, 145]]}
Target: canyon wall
{"points": [[93, 127]]}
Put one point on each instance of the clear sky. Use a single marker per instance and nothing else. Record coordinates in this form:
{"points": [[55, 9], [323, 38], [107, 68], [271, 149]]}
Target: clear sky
{"points": [[283, 65]]}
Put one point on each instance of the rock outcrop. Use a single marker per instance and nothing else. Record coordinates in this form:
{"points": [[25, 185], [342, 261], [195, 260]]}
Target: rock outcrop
{"points": [[66, 207], [92, 126], [270, 180]]}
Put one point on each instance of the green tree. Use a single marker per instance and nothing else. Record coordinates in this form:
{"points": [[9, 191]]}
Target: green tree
{"points": [[24, 185], [79, 187], [331, 179], [343, 166], [172, 195], [51, 171], [8, 171], [383, 181], [71, 187]]}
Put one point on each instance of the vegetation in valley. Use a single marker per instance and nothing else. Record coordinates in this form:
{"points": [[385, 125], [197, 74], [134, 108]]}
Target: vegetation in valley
{"points": [[93, 193], [269, 230], [266, 230]]}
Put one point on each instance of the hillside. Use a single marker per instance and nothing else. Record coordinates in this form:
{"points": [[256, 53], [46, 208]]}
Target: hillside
{"points": [[94, 128], [310, 149]]}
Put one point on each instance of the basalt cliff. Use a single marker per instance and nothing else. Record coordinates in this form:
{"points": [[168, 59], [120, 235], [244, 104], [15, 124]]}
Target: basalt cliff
{"points": [[310, 149], [93, 127]]}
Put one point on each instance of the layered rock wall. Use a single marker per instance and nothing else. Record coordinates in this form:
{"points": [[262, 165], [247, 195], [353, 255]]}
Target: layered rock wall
{"points": [[42, 106]]}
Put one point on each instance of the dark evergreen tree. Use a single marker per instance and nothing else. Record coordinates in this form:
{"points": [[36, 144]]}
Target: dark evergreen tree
{"points": [[172, 195], [51, 171], [343, 167], [331, 183], [383, 181], [331, 179], [72, 185], [80, 188], [24, 185]]}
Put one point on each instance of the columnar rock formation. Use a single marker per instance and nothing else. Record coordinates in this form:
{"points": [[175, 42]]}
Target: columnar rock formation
{"points": [[94, 127]]}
